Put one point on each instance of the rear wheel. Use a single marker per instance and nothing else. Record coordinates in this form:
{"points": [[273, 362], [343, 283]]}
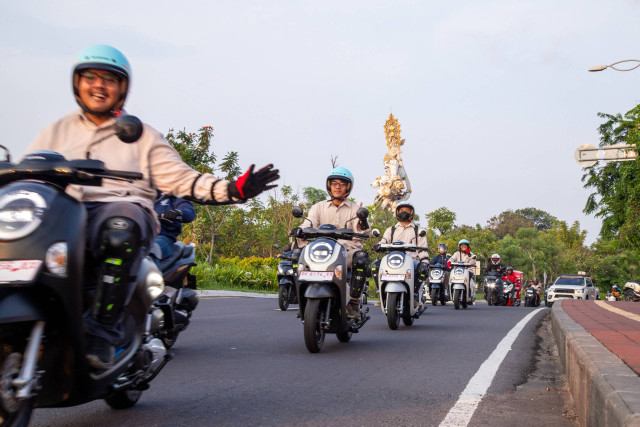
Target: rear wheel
{"points": [[283, 297], [393, 309], [435, 296], [456, 298], [123, 399], [344, 336], [314, 332], [407, 319]]}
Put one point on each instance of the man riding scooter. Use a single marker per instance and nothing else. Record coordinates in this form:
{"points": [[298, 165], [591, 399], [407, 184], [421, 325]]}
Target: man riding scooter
{"points": [[464, 254], [121, 225], [342, 213], [405, 231], [441, 259], [517, 284]]}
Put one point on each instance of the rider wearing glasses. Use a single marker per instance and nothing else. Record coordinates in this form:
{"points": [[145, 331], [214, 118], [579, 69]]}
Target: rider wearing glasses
{"points": [[341, 212]]}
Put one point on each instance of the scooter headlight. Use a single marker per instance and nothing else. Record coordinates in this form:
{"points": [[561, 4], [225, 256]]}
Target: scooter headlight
{"points": [[458, 272], [280, 270], [436, 274], [155, 284], [395, 260], [320, 251], [20, 213], [56, 259]]}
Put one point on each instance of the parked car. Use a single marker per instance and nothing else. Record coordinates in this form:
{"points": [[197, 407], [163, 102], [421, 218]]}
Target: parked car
{"points": [[571, 286]]}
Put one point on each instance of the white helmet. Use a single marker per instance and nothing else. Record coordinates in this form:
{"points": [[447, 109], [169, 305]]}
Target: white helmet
{"points": [[495, 259]]}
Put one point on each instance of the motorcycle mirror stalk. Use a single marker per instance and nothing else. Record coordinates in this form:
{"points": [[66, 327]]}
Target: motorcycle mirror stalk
{"points": [[128, 129]]}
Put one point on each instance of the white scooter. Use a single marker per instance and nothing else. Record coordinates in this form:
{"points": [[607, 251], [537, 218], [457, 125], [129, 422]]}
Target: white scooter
{"points": [[460, 287], [396, 278]]}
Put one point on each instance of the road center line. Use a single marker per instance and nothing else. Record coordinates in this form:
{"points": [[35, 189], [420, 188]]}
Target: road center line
{"points": [[467, 403], [624, 313]]}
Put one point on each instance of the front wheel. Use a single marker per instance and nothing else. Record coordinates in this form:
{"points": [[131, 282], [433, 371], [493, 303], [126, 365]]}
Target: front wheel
{"points": [[464, 299], [393, 309], [456, 298], [123, 399], [283, 297], [314, 332], [493, 299], [435, 296]]}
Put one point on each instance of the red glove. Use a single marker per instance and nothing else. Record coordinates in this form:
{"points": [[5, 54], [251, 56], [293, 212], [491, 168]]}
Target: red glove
{"points": [[448, 264], [467, 251]]}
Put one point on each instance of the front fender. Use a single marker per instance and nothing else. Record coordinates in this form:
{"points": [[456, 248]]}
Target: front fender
{"points": [[285, 281], [19, 306], [459, 286], [319, 290], [395, 287]]}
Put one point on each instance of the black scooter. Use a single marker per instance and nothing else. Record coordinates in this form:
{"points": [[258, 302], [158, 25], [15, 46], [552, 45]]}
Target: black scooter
{"points": [[42, 272], [179, 298], [287, 292], [493, 289], [531, 297]]}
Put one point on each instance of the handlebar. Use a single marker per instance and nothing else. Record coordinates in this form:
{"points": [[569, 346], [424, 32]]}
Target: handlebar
{"points": [[400, 248], [332, 233], [462, 264]]}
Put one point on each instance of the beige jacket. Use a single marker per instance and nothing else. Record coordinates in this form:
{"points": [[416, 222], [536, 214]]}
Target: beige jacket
{"points": [[459, 256], [161, 165], [408, 235], [325, 212]]}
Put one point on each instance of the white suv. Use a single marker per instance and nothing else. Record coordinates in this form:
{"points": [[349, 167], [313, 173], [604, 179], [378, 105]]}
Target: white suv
{"points": [[575, 286]]}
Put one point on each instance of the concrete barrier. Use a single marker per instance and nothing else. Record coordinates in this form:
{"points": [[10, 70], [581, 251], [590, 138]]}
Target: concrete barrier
{"points": [[606, 392]]}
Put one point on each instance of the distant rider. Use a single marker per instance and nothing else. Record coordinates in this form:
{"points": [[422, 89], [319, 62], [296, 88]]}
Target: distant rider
{"points": [[515, 280], [405, 231], [464, 254], [442, 259], [341, 212], [172, 213], [494, 268]]}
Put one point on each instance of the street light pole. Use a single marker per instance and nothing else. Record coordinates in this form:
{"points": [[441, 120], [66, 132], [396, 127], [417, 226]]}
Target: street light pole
{"points": [[613, 66], [588, 154]]}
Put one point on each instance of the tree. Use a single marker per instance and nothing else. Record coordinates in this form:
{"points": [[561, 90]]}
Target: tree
{"points": [[616, 185], [541, 220], [314, 195], [509, 222], [442, 219]]}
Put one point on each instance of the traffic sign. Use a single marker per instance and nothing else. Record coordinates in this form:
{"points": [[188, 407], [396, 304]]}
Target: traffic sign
{"points": [[588, 154]]}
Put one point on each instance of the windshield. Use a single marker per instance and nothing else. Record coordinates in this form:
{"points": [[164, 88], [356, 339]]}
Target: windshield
{"points": [[566, 281]]}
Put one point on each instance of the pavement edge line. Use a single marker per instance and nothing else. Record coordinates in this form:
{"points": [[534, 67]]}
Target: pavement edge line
{"points": [[606, 392]]}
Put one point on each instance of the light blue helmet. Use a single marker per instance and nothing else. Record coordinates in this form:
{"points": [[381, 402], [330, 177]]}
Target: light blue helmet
{"points": [[343, 174], [102, 57], [464, 242]]}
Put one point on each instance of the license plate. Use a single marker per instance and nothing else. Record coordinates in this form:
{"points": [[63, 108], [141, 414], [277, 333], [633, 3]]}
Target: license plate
{"points": [[392, 277], [315, 276], [19, 271]]}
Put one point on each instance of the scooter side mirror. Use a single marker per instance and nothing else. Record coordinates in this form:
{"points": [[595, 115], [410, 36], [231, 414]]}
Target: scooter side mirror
{"points": [[128, 128], [297, 212], [422, 232], [363, 213], [276, 246], [375, 232]]}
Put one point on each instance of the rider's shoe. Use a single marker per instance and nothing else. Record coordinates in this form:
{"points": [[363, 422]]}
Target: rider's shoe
{"points": [[100, 353], [353, 310]]}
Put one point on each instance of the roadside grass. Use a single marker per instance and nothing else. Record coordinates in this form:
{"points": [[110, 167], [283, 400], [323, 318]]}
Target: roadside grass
{"points": [[251, 274]]}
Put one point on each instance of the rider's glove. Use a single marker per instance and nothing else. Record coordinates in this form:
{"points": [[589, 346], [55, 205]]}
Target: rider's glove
{"points": [[250, 184], [448, 264], [376, 247], [172, 215]]}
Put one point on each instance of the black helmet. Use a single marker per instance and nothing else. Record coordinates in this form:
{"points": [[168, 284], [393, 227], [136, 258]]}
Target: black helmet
{"points": [[510, 268], [405, 217], [442, 246]]}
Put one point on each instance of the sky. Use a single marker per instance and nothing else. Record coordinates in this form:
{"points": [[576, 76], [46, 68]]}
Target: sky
{"points": [[493, 97]]}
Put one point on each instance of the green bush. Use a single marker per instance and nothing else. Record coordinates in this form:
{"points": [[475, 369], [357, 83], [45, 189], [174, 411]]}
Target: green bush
{"points": [[249, 274]]}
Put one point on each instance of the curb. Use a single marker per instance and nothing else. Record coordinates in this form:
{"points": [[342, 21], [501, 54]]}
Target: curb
{"points": [[214, 293], [606, 392]]}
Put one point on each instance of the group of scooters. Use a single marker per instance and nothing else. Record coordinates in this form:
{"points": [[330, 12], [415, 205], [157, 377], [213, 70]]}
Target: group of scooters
{"points": [[317, 278]]}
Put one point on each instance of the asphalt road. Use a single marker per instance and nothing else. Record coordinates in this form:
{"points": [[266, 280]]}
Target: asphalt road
{"points": [[242, 362]]}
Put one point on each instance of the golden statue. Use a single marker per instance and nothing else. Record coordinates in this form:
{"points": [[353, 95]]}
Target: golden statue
{"points": [[394, 186]]}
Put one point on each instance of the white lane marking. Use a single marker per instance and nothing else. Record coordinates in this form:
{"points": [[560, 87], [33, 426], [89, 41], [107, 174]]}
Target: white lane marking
{"points": [[467, 403]]}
